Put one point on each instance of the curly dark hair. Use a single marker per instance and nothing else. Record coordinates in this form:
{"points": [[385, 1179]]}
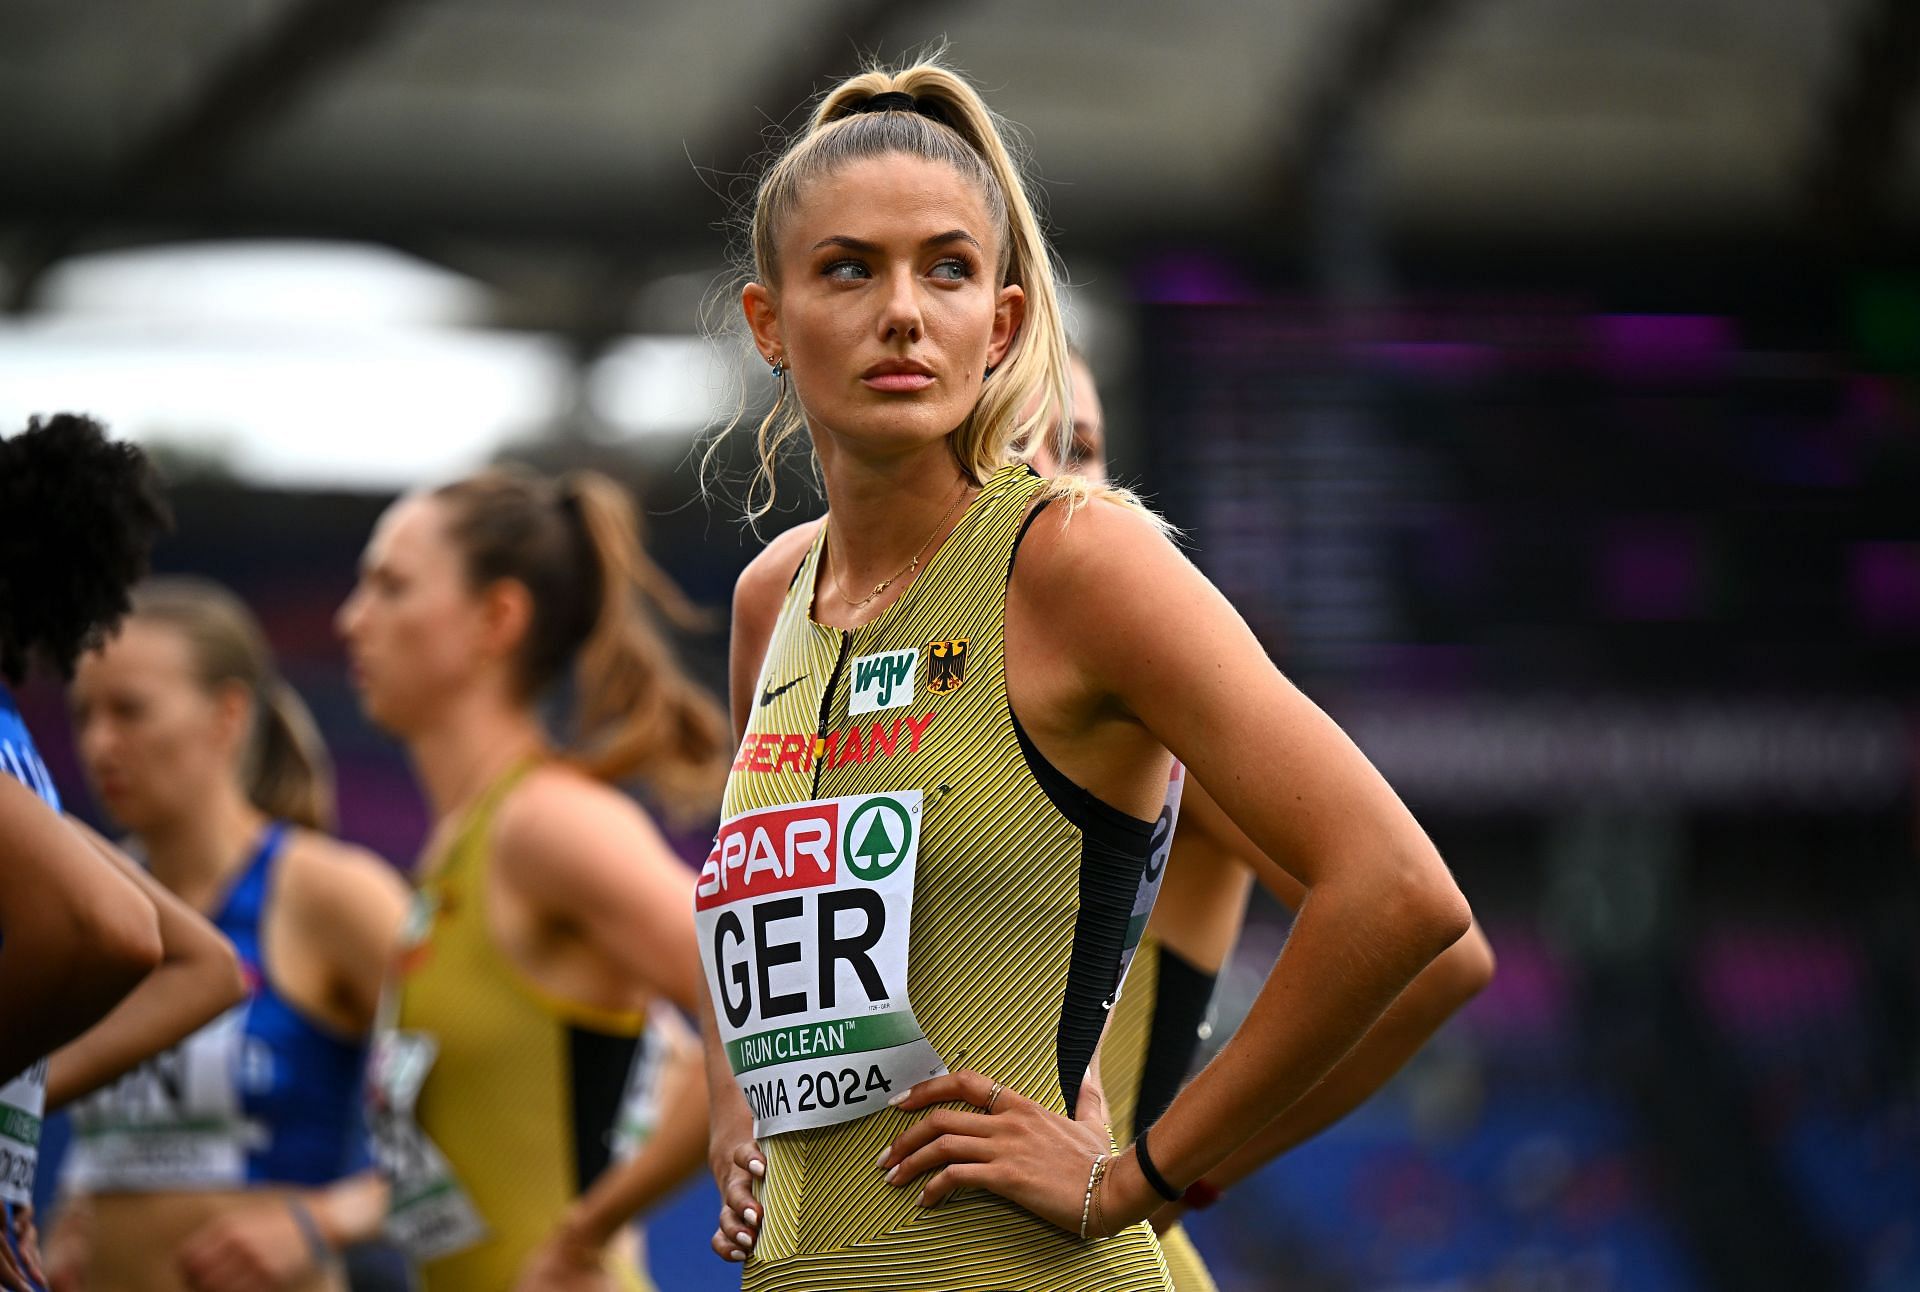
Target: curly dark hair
{"points": [[78, 517]]}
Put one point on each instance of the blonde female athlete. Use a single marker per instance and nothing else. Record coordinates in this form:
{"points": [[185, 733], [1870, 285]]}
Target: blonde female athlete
{"points": [[550, 911], [210, 1166], [92, 952], [958, 696], [1208, 865]]}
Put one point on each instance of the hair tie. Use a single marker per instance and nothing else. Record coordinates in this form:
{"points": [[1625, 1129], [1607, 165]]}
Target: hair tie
{"points": [[891, 101]]}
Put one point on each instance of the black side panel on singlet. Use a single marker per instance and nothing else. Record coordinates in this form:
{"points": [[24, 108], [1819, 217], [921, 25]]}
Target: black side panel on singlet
{"points": [[1113, 855], [1179, 1012], [600, 1064]]}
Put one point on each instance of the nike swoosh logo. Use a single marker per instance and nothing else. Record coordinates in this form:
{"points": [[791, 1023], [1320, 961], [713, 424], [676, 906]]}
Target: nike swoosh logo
{"points": [[773, 693]]}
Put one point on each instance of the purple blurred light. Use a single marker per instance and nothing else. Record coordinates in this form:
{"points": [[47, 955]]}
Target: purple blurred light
{"points": [[1530, 996], [1759, 981], [1651, 569], [1438, 360], [1885, 579], [1664, 345], [1192, 278]]}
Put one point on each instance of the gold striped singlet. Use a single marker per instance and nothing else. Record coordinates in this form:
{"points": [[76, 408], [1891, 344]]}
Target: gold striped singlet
{"points": [[883, 786], [493, 1103]]}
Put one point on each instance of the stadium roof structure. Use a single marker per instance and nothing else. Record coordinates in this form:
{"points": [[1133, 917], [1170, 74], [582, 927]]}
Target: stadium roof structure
{"points": [[567, 151]]}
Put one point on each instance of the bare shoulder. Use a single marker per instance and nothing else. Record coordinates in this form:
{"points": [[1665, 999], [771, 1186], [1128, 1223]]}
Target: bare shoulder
{"points": [[559, 812], [330, 875], [765, 580], [1085, 553], [1112, 620]]}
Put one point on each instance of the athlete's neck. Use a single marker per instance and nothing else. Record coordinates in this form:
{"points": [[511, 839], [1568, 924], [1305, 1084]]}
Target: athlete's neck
{"points": [[469, 747], [196, 856], [882, 512]]}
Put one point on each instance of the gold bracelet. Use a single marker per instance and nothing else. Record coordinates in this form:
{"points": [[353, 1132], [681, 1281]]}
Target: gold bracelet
{"points": [[1100, 1203], [1093, 1178]]}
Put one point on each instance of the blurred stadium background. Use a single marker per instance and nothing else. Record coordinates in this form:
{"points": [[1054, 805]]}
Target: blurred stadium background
{"points": [[1540, 377]]}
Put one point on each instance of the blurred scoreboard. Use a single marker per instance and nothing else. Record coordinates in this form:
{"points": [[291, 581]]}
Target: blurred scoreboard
{"points": [[1516, 496]]}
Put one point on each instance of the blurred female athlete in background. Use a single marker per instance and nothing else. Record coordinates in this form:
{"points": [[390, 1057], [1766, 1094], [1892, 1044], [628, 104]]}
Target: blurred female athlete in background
{"points": [[551, 912], [208, 1167], [86, 940]]}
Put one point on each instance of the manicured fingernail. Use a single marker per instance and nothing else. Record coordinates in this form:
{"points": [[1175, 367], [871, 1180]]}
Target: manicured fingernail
{"points": [[880, 1163], [736, 1256], [891, 1173], [899, 1099], [756, 1168], [753, 1217], [744, 1238]]}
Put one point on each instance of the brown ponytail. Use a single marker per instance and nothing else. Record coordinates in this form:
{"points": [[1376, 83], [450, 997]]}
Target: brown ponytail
{"points": [[286, 769], [292, 778], [575, 545]]}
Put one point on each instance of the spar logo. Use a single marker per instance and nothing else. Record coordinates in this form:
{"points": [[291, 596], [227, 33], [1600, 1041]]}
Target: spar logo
{"points": [[876, 839], [783, 850], [774, 851]]}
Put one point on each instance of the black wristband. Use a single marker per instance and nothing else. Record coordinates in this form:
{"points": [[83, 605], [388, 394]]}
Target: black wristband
{"points": [[1152, 1172]]}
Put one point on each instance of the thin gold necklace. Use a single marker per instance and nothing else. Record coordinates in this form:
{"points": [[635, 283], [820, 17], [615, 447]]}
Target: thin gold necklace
{"points": [[910, 566]]}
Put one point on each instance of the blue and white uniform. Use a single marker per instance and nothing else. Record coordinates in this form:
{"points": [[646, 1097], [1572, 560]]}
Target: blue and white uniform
{"points": [[261, 1095], [23, 1099]]}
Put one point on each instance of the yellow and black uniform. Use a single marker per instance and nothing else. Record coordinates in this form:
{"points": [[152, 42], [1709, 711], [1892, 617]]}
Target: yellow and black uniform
{"points": [[1151, 1041], [1019, 898], [493, 1103]]}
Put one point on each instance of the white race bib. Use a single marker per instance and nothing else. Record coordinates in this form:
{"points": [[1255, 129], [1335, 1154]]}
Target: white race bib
{"points": [[639, 1111], [174, 1122], [22, 1102], [429, 1214], [805, 915], [1155, 874]]}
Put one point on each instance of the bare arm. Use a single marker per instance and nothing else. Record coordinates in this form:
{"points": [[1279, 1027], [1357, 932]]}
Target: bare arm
{"points": [[352, 1210], [588, 859], [76, 935], [197, 979], [756, 605], [1454, 978], [342, 909], [348, 909], [668, 1158], [1379, 904], [591, 860], [262, 1242], [1108, 683], [733, 1154]]}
